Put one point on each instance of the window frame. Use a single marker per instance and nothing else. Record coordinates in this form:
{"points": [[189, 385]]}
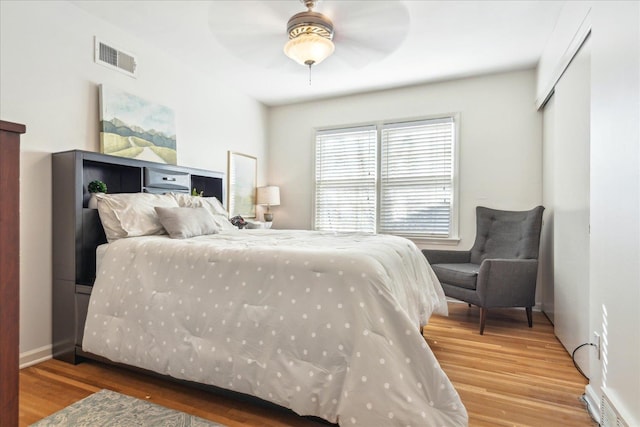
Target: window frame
{"points": [[453, 237], [374, 159]]}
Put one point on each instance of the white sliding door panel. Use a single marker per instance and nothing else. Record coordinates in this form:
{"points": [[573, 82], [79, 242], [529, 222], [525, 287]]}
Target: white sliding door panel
{"points": [[545, 271], [571, 205]]}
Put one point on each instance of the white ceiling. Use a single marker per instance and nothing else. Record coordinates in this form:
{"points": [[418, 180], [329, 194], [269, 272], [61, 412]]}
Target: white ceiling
{"points": [[379, 44]]}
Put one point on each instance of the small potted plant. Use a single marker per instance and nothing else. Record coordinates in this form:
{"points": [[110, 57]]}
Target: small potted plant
{"points": [[96, 187]]}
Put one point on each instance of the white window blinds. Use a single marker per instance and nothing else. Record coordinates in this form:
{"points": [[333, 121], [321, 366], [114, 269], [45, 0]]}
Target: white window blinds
{"points": [[345, 169], [394, 178], [416, 178]]}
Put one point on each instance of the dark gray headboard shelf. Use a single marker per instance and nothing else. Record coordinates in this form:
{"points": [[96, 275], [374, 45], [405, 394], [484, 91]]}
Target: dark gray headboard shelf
{"points": [[77, 230], [120, 178]]}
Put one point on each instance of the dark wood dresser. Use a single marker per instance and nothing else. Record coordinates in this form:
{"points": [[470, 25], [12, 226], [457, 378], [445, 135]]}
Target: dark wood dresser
{"points": [[9, 270]]}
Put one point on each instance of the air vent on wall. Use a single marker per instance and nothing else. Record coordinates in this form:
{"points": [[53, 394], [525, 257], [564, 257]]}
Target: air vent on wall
{"points": [[114, 58], [609, 416]]}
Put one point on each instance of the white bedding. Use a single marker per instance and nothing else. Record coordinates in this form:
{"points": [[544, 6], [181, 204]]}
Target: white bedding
{"points": [[324, 324]]}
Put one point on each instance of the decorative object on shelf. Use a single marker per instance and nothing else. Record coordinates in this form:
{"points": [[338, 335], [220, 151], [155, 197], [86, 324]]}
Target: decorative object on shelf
{"points": [[135, 128], [243, 172], [95, 187], [310, 36], [269, 196], [195, 192]]}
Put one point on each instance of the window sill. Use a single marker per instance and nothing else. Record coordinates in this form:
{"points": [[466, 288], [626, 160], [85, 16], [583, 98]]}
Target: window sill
{"points": [[422, 240]]}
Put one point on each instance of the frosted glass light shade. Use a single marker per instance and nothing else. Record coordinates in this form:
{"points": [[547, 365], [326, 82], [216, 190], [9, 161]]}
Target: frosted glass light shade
{"points": [[309, 49], [269, 195]]}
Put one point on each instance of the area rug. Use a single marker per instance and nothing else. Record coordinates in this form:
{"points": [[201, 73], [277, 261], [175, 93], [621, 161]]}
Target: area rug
{"points": [[110, 409]]}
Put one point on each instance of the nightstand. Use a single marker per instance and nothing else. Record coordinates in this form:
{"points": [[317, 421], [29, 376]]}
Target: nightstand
{"points": [[257, 224]]}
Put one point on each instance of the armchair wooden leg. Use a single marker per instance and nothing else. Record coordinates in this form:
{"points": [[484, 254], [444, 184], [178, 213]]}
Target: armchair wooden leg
{"points": [[483, 316], [529, 316]]}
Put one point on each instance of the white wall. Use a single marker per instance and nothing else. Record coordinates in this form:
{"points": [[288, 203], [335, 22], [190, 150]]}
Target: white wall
{"points": [[500, 136], [571, 29], [615, 203], [614, 282], [48, 81], [570, 184]]}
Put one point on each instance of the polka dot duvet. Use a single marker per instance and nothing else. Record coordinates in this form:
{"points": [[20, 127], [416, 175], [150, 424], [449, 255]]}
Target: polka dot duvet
{"points": [[325, 324]]}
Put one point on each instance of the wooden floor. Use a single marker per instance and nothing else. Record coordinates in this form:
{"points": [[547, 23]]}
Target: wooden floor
{"points": [[510, 376]]}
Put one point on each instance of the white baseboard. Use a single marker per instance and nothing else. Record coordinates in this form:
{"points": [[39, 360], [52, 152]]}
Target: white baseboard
{"points": [[592, 398], [35, 356]]}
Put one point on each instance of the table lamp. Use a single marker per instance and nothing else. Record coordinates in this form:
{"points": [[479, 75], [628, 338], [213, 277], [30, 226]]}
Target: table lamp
{"points": [[270, 196]]}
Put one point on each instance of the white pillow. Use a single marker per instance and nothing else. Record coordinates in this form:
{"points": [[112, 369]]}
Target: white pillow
{"points": [[132, 214], [212, 204], [182, 223], [223, 223]]}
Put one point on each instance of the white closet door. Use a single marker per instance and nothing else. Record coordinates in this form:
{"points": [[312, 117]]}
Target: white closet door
{"points": [[545, 271], [571, 205]]}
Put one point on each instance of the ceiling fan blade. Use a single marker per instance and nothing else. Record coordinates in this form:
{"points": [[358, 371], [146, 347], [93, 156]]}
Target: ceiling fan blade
{"points": [[254, 31], [367, 32], [360, 49], [369, 16], [357, 57]]}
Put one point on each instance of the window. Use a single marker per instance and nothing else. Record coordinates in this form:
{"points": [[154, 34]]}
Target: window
{"points": [[416, 178], [408, 189], [346, 179]]}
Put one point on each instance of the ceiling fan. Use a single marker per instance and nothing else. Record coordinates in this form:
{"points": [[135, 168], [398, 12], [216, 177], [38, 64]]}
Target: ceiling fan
{"points": [[346, 33], [310, 36]]}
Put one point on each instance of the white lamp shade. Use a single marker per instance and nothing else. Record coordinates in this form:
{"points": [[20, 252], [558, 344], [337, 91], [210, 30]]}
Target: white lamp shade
{"points": [[269, 195], [308, 49]]}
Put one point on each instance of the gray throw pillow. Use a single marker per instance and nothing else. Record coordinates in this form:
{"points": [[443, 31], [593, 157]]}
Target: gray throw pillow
{"points": [[182, 223]]}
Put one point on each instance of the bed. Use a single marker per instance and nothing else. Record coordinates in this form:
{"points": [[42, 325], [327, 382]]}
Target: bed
{"points": [[325, 324]]}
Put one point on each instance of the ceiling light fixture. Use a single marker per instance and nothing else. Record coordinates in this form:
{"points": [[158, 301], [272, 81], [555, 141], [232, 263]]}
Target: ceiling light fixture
{"points": [[310, 35]]}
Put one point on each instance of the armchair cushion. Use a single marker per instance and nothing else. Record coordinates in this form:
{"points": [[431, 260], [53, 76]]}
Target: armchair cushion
{"points": [[435, 256], [463, 275], [506, 234]]}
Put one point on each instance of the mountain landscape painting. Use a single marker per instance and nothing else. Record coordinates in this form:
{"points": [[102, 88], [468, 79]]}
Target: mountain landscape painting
{"points": [[135, 128]]}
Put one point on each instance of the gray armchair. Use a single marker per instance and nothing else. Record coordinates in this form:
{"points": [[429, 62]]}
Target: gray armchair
{"points": [[501, 268]]}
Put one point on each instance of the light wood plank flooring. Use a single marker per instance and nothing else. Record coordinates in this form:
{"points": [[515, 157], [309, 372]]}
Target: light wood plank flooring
{"points": [[510, 376]]}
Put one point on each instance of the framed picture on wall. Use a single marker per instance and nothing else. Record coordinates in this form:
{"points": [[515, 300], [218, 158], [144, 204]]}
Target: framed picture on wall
{"points": [[242, 179], [136, 128]]}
